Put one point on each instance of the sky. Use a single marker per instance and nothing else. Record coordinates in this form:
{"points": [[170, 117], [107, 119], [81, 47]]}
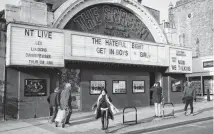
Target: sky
{"points": [[161, 5]]}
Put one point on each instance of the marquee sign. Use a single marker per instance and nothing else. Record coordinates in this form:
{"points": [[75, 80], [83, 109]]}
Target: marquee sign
{"points": [[34, 46], [180, 60], [106, 19], [117, 49]]}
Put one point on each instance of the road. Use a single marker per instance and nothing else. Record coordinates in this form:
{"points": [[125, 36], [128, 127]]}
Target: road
{"points": [[205, 127]]}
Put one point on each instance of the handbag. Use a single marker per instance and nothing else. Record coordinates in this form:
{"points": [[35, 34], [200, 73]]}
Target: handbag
{"points": [[60, 115]]}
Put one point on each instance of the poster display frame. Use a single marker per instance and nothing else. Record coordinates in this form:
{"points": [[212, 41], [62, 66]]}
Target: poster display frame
{"points": [[90, 82], [181, 85], [143, 87], [118, 82], [44, 86]]}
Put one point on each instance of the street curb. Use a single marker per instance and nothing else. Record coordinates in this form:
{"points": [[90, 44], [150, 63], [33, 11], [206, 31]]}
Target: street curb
{"points": [[168, 126]]}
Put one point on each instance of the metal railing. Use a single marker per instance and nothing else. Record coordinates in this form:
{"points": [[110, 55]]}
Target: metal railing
{"points": [[135, 115], [173, 112]]}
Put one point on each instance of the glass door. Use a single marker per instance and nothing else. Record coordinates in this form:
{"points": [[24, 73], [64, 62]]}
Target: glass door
{"points": [[208, 84]]}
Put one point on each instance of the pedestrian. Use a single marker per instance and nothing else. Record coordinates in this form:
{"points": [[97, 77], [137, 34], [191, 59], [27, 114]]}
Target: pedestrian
{"points": [[104, 102], [65, 103], [157, 98], [53, 106], [189, 95]]}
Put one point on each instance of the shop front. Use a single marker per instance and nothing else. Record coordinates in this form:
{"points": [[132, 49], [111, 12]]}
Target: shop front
{"points": [[202, 76]]}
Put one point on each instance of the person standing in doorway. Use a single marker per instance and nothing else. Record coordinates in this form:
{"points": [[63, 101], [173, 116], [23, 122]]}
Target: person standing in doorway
{"points": [[53, 106], [65, 103], [189, 95], [157, 98]]}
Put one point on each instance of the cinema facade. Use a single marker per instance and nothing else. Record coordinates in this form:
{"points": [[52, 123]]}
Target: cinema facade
{"points": [[117, 45]]}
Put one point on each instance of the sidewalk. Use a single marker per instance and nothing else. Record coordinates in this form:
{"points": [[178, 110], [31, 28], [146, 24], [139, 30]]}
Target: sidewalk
{"points": [[85, 123]]}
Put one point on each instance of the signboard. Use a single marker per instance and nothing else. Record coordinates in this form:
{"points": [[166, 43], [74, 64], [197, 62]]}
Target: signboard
{"points": [[138, 86], [119, 87], [35, 87], [208, 64], [96, 87], [34, 46], [106, 19], [180, 60], [117, 49]]}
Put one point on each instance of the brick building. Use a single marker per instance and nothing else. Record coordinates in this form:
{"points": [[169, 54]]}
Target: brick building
{"points": [[191, 25]]}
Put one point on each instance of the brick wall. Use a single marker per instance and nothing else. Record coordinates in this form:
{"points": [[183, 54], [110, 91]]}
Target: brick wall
{"points": [[194, 21]]}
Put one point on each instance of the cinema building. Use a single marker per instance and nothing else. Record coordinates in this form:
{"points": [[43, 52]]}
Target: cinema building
{"points": [[112, 44]]}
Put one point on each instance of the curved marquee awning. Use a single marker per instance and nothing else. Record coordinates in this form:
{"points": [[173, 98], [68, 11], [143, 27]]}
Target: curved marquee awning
{"points": [[72, 7]]}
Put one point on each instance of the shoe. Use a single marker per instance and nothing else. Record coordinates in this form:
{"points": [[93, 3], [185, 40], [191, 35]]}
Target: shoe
{"points": [[63, 125], [56, 124], [67, 123], [185, 113], [192, 114], [155, 116]]}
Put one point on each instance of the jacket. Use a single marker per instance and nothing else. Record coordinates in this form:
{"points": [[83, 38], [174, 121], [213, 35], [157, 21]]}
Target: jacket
{"points": [[65, 99], [157, 94], [52, 99], [189, 92]]}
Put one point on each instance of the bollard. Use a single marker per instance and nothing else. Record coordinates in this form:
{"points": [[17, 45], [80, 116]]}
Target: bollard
{"points": [[208, 95]]}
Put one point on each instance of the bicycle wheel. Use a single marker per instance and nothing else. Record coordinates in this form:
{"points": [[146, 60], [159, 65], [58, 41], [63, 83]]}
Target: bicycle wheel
{"points": [[105, 121]]}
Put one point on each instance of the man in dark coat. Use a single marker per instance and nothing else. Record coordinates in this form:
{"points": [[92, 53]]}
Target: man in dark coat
{"points": [[53, 106], [157, 98], [189, 95], [65, 103]]}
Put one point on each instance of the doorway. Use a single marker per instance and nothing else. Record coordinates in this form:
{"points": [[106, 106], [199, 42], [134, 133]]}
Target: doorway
{"points": [[152, 81]]}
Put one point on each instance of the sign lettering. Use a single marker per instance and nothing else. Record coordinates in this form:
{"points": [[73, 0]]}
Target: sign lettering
{"points": [[36, 47], [180, 60], [208, 64], [110, 20], [100, 47]]}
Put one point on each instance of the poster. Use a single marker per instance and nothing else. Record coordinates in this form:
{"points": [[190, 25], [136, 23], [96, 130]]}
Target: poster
{"points": [[119, 87], [96, 87], [177, 86], [35, 87], [138, 87]]}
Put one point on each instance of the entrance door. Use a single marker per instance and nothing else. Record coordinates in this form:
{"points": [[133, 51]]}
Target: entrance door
{"points": [[208, 83], [152, 81]]}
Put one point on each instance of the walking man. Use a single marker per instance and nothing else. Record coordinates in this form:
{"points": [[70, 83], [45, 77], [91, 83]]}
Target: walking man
{"points": [[53, 106], [65, 103], [189, 95], [157, 98]]}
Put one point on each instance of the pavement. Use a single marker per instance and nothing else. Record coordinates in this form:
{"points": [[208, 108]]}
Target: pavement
{"points": [[84, 122], [204, 127]]}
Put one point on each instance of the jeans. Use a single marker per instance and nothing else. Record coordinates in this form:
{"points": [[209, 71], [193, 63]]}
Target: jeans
{"points": [[53, 112], [157, 109], [188, 100]]}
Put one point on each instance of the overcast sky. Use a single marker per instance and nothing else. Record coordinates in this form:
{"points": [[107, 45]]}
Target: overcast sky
{"points": [[161, 5]]}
